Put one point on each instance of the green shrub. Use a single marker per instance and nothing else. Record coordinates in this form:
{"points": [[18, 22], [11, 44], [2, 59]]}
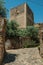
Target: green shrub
{"points": [[29, 43], [11, 29]]}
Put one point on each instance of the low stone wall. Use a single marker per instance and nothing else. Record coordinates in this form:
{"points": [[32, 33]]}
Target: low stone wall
{"points": [[16, 43], [12, 44]]}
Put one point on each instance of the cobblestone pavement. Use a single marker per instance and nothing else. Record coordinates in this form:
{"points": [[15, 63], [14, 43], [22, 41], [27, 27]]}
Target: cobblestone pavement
{"points": [[26, 56]]}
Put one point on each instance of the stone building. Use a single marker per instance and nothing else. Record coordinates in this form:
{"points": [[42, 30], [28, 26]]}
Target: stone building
{"points": [[23, 15]]}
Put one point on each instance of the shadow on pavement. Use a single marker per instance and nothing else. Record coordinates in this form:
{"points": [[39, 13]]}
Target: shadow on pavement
{"points": [[9, 58]]}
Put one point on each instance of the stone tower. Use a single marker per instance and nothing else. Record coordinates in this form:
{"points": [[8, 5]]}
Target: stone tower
{"points": [[23, 15]]}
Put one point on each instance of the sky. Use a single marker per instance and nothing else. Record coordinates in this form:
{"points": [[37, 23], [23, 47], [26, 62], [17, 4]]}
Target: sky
{"points": [[35, 5]]}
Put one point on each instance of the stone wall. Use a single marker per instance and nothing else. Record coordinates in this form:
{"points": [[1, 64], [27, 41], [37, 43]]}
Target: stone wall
{"points": [[12, 43], [23, 15], [41, 44], [16, 43], [2, 39], [2, 47]]}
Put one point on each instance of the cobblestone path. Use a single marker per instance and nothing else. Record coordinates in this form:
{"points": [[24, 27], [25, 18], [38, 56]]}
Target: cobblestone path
{"points": [[26, 56]]}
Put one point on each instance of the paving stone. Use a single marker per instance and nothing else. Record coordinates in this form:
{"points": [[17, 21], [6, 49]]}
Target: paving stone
{"points": [[26, 56]]}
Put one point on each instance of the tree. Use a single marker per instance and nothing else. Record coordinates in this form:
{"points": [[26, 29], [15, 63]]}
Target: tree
{"points": [[11, 29], [21, 32], [32, 31], [3, 10]]}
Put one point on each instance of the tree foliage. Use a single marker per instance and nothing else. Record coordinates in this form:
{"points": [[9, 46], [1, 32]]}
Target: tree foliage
{"points": [[21, 32], [3, 10], [11, 29], [30, 31]]}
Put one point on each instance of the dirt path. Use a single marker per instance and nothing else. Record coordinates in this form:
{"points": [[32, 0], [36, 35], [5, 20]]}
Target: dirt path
{"points": [[26, 56]]}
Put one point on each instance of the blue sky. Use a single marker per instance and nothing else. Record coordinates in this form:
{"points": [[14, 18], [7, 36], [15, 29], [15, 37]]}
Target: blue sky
{"points": [[35, 5]]}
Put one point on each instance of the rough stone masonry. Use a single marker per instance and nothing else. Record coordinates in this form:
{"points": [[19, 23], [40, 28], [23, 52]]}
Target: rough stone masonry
{"points": [[2, 38]]}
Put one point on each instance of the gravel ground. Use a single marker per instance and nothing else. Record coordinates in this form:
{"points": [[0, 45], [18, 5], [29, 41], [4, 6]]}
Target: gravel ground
{"points": [[26, 56]]}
